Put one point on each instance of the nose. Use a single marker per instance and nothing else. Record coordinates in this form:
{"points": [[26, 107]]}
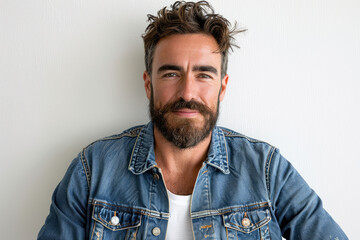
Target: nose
{"points": [[187, 88]]}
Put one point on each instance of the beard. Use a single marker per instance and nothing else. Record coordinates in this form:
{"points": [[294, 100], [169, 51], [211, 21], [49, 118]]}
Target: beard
{"points": [[182, 132]]}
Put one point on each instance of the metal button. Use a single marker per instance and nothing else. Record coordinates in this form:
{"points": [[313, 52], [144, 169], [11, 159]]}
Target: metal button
{"points": [[115, 220], [156, 231], [245, 222], [156, 176]]}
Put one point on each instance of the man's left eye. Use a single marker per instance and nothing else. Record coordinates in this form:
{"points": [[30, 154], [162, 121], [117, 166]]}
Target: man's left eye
{"points": [[204, 76]]}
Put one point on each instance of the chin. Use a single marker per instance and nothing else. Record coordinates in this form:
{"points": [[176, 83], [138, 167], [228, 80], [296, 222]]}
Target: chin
{"points": [[180, 122]]}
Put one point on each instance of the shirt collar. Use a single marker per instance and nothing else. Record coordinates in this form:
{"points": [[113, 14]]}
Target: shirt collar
{"points": [[143, 156]]}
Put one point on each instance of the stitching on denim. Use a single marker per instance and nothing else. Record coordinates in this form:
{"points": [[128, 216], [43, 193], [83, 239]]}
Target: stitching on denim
{"points": [[268, 230], [101, 231], [227, 160], [206, 226], [132, 133], [131, 234], [250, 207], [105, 205], [150, 197], [93, 214], [204, 172], [122, 210], [92, 232], [228, 133], [146, 212], [116, 229], [245, 209], [267, 170], [132, 152], [209, 195], [125, 225], [135, 233], [260, 204], [86, 168], [94, 218], [208, 190], [257, 226]]}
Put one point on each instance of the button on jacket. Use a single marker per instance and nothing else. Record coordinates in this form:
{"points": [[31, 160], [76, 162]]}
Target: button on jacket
{"points": [[244, 190]]}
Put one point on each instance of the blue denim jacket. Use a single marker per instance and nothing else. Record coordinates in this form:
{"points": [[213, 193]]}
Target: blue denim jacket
{"points": [[244, 190]]}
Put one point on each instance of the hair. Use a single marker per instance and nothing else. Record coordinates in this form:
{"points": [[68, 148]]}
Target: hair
{"points": [[189, 17]]}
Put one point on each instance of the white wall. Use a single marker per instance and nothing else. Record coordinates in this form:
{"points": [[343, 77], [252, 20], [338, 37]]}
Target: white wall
{"points": [[71, 72]]}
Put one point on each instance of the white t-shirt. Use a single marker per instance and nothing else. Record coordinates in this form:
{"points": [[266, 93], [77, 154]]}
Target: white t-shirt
{"points": [[179, 225]]}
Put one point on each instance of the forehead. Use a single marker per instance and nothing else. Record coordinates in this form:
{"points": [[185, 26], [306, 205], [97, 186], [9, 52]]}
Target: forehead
{"points": [[187, 49]]}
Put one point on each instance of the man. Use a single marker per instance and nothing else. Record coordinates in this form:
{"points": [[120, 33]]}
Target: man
{"points": [[180, 176]]}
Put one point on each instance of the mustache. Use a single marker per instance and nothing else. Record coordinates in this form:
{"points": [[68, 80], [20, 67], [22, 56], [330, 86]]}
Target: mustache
{"points": [[181, 103]]}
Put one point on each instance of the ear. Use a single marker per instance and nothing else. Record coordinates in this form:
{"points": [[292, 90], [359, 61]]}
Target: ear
{"points": [[147, 84], [224, 83]]}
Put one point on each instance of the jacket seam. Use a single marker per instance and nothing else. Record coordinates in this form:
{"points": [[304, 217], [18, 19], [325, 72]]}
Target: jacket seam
{"points": [[267, 170], [132, 154], [256, 226], [245, 208], [131, 133], [147, 212], [228, 133], [226, 152], [85, 168], [93, 230]]}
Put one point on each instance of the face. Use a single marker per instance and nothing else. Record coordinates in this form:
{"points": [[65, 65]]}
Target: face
{"points": [[185, 88]]}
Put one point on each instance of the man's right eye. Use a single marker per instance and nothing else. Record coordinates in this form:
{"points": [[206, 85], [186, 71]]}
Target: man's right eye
{"points": [[170, 75]]}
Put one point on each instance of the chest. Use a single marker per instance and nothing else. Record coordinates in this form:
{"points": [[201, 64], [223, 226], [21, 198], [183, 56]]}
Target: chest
{"points": [[223, 206], [181, 183]]}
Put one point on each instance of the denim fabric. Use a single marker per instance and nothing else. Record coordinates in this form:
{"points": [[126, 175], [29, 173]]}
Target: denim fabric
{"points": [[244, 190]]}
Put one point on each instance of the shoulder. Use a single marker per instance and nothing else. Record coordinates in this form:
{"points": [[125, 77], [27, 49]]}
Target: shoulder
{"points": [[127, 135], [111, 148], [232, 136], [106, 153], [245, 152]]}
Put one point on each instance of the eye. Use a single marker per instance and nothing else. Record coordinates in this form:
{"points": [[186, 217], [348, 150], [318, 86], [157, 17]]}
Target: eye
{"points": [[170, 75], [204, 76]]}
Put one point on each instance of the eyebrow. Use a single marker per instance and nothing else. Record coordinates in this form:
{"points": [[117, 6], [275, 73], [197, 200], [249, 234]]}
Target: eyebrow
{"points": [[169, 67], [205, 68]]}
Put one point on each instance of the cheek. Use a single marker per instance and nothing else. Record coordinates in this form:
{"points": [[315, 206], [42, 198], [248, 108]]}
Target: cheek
{"points": [[163, 95], [161, 98], [211, 97]]}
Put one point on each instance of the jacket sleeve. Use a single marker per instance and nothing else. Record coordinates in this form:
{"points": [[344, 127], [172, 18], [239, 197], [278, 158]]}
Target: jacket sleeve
{"points": [[298, 209], [67, 217]]}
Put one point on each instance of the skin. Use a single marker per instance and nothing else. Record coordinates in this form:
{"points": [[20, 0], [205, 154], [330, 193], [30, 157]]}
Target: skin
{"points": [[185, 66]]}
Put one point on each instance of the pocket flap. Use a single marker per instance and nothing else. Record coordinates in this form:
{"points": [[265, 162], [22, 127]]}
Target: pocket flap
{"points": [[247, 221], [116, 217]]}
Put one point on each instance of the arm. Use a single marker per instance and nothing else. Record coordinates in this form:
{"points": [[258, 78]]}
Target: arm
{"points": [[298, 209], [67, 217]]}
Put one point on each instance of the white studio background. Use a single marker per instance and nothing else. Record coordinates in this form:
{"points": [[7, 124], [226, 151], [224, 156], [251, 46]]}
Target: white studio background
{"points": [[71, 72]]}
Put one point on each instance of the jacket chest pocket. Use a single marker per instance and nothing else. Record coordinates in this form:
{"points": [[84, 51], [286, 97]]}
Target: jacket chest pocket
{"points": [[114, 222], [252, 224]]}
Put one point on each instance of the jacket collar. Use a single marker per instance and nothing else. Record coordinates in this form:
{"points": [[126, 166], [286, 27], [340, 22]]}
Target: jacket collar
{"points": [[143, 156]]}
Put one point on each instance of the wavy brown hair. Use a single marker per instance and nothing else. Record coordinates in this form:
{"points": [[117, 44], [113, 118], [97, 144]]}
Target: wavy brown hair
{"points": [[189, 17]]}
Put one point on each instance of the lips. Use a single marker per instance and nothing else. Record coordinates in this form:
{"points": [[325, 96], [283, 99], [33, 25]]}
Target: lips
{"points": [[186, 112]]}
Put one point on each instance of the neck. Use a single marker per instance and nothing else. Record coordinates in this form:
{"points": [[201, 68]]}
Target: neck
{"points": [[176, 163], [169, 155]]}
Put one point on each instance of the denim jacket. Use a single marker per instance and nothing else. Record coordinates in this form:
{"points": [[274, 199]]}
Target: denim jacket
{"points": [[244, 190]]}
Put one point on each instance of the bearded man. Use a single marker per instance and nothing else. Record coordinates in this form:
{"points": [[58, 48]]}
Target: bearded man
{"points": [[180, 176]]}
